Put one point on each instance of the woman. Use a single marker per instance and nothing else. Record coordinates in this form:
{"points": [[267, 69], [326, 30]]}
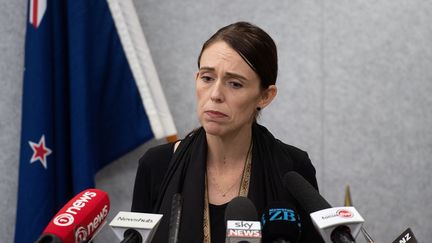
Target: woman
{"points": [[230, 155]]}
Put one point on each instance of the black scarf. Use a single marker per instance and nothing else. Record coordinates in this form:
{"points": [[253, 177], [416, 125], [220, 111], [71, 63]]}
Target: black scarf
{"points": [[186, 173]]}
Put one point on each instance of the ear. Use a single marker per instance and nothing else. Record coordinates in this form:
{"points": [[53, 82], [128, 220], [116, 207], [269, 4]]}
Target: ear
{"points": [[267, 96]]}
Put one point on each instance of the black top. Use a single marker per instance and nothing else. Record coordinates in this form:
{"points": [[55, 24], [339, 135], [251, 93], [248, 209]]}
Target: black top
{"points": [[217, 223]]}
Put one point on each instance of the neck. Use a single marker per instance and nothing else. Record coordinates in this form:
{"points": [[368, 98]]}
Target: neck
{"points": [[230, 151], [226, 161]]}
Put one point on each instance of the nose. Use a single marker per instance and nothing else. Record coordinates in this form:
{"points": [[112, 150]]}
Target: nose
{"points": [[216, 94]]}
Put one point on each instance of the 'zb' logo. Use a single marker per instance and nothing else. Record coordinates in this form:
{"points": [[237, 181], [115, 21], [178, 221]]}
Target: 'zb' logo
{"points": [[282, 214]]}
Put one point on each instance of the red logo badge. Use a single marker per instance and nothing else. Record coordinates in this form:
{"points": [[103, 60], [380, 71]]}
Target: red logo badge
{"points": [[344, 213]]}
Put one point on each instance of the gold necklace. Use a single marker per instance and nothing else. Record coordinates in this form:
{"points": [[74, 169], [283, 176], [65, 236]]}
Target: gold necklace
{"points": [[219, 189]]}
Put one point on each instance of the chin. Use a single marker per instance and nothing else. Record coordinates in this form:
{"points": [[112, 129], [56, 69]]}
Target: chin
{"points": [[214, 129]]}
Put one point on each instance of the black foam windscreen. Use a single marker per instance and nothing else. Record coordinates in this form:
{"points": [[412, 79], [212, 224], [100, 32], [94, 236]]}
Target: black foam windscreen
{"points": [[305, 194], [241, 208], [280, 221], [174, 224]]}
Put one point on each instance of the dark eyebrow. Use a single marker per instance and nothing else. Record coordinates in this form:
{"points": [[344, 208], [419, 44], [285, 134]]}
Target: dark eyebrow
{"points": [[228, 74], [206, 69], [236, 75]]}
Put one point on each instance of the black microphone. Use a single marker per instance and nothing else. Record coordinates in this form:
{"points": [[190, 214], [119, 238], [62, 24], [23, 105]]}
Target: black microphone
{"points": [[337, 225], [406, 237], [242, 222], [241, 208], [174, 225], [280, 223], [132, 236], [49, 238]]}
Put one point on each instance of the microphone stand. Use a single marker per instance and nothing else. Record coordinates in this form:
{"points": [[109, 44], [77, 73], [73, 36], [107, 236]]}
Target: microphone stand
{"points": [[367, 236]]}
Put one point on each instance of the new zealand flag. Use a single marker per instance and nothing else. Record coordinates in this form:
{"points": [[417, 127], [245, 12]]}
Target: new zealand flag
{"points": [[82, 106]]}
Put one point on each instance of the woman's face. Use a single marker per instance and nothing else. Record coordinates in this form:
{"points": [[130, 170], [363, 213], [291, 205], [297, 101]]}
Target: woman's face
{"points": [[228, 91]]}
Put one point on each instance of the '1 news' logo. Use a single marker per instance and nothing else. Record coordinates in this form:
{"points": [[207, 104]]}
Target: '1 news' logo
{"points": [[82, 232], [67, 218]]}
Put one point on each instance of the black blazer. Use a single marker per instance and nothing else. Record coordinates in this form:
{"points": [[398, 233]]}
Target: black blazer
{"points": [[154, 164]]}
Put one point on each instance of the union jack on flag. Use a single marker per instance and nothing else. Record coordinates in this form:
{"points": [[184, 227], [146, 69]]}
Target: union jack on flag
{"points": [[37, 11]]}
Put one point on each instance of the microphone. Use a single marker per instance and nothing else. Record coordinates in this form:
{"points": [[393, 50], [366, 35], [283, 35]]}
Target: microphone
{"points": [[174, 226], [280, 223], [406, 237], [242, 222], [79, 220], [337, 225], [135, 227], [132, 235]]}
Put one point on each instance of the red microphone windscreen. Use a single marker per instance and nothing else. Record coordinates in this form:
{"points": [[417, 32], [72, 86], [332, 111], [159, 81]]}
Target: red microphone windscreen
{"points": [[81, 217]]}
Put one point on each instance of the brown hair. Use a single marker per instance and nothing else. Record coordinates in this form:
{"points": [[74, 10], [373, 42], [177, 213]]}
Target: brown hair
{"points": [[254, 45]]}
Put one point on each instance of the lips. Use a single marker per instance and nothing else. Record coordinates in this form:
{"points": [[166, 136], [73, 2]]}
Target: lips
{"points": [[215, 114]]}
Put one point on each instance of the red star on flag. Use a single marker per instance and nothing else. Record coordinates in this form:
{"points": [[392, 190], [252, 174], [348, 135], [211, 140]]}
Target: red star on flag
{"points": [[40, 151]]}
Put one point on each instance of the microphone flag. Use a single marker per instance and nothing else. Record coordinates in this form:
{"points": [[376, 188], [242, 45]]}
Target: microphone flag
{"points": [[90, 95]]}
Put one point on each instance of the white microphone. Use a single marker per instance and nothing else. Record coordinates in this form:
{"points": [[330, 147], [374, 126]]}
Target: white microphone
{"points": [[336, 225], [327, 220], [242, 222], [135, 227]]}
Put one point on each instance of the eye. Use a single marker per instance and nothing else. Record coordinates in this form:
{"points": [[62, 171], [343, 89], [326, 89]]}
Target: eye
{"points": [[235, 84], [206, 78]]}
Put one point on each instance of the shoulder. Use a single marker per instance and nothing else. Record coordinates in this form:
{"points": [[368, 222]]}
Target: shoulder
{"points": [[157, 156], [154, 162], [294, 152], [301, 162], [151, 169]]}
